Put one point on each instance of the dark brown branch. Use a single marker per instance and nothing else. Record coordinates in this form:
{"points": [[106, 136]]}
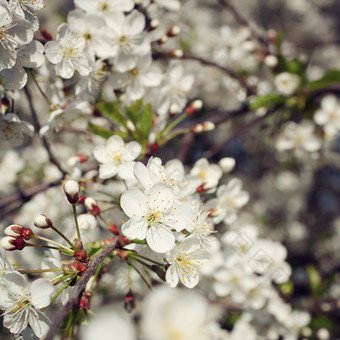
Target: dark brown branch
{"points": [[242, 129], [224, 69], [78, 289], [242, 21], [13, 202], [36, 124]]}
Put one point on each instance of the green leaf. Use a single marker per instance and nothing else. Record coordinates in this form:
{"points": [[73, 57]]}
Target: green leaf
{"points": [[100, 131], [266, 100], [296, 66], [329, 78], [146, 121], [112, 111], [133, 111], [314, 280]]}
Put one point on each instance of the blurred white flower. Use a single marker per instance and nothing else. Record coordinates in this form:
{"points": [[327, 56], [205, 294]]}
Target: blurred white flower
{"points": [[286, 83]]}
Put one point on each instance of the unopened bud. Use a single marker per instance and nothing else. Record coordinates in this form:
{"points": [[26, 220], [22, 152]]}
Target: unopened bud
{"points": [[272, 35], [162, 40], [173, 31], [176, 53], [129, 302], [92, 206], [71, 190], [208, 126], [43, 222], [153, 24], [194, 107], [271, 60], [74, 268], [85, 301], [11, 243], [47, 35], [227, 164], [18, 230], [114, 229], [197, 128], [174, 109]]}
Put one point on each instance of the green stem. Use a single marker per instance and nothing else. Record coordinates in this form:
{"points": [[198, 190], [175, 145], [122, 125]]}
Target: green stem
{"points": [[174, 124], [57, 277], [40, 246], [175, 134], [140, 274], [59, 245], [37, 271], [58, 293], [64, 237], [62, 279], [147, 259], [76, 220]]}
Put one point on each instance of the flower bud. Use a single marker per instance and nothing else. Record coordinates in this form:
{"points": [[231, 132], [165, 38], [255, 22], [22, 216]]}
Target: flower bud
{"points": [[197, 128], [11, 243], [195, 106], [208, 126], [92, 206], [43, 222], [74, 268], [129, 302], [18, 230], [227, 164], [176, 53], [174, 109], [162, 40], [154, 23], [173, 31], [71, 190], [114, 229], [271, 60]]}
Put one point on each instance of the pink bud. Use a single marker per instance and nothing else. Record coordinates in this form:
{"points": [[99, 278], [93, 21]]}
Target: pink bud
{"points": [[92, 206], [43, 222], [71, 190], [17, 230], [11, 243]]}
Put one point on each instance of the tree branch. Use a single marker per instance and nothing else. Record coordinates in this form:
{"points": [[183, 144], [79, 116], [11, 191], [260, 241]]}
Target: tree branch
{"points": [[36, 123], [224, 69], [242, 21], [78, 289]]}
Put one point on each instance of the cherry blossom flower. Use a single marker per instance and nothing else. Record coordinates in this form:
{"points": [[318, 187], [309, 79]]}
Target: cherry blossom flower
{"points": [[328, 115], [229, 199], [137, 80], [27, 9], [94, 30], [174, 88], [28, 56], [116, 157], [67, 53], [62, 117], [14, 32], [287, 83], [153, 215], [298, 137], [184, 261], [21, 303], [209, 174], [5, 266], [12, 129], [129, 39], [105, 6]]}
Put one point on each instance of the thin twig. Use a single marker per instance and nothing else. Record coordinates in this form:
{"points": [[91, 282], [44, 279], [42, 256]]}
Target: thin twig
{"points": [[244, 22], [37, 126], [206, 62], [78, 289], [243, 128]]}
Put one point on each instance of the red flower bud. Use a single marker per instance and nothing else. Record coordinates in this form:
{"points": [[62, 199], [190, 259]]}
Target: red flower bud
{"points": [[18, 230], [11, 243]]}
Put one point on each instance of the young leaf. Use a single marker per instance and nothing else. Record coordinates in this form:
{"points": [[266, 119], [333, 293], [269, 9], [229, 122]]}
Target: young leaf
{"points": [[133, 111], [329, 78], [266, 100], [146, 121], [100, 131], [112, 111]]}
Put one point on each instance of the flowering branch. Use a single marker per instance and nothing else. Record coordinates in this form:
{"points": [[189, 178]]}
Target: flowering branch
{"points": [[78, 290]]}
